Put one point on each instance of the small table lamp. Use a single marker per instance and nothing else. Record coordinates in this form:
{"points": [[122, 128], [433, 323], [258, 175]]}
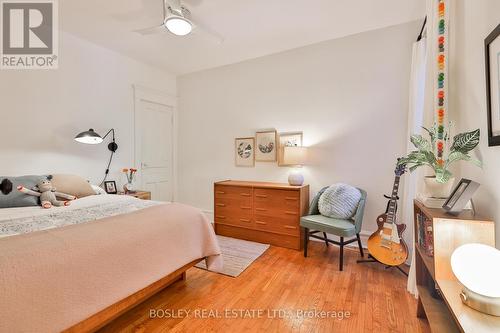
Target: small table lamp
{"points": [[296, 157], [477, 267]]}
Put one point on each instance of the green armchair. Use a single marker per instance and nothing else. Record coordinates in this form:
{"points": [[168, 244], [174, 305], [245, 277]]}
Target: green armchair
{"points": [[315, 223]]}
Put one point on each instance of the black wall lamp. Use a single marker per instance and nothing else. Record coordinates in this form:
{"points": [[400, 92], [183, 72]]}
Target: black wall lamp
{"points": [[90, 137]]}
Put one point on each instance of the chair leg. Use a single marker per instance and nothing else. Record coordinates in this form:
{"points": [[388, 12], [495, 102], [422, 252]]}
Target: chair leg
{"points": [[306, 240], [360, 246], [341, 263], [326, 242]]}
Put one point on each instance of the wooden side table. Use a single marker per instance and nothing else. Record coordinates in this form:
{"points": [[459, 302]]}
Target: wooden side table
{"points": [[144, 195]]}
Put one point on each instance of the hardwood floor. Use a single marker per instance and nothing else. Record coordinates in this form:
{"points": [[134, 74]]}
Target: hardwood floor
{"points": [[282, 279]]}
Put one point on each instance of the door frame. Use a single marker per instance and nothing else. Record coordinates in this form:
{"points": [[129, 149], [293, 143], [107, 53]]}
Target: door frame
{"points": [[146, 94]]}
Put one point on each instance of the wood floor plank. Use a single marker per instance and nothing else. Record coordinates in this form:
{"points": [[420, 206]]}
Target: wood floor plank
{"points": [[283, 280]]}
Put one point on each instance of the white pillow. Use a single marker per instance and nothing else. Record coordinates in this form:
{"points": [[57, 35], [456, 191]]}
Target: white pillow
{"points": [[339, 201], [98, 190]]}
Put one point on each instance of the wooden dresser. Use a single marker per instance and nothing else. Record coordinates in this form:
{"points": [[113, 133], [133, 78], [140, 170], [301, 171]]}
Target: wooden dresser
{"points": [[261, 212]]}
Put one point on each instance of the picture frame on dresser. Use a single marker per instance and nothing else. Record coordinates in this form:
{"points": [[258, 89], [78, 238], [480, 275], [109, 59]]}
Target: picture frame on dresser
{"points": [[492, 73]]}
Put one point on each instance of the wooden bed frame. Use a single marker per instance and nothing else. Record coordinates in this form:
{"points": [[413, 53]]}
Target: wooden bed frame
{"points": [[100, 319]]}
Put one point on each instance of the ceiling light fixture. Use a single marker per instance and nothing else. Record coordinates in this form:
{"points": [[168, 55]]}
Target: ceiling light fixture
{"points": [[178, 25]]}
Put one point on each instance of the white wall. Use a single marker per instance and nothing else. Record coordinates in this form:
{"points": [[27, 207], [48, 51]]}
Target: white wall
{"points": [[474, 20], [41, 111], [349, 96]]}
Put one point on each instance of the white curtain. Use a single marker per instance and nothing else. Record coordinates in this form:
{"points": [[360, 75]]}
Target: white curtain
{"points": [[423, 91], [415, 123]]}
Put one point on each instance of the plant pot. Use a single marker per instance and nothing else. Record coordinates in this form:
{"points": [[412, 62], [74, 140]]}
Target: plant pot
{"points": [[438, 190]]}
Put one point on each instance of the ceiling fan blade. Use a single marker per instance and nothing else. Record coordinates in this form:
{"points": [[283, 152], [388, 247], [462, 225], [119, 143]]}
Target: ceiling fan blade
{"points": [[152, 30], [201, 29]]}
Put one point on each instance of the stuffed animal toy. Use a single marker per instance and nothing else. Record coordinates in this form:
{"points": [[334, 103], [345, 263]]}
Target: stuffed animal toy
{"points": [[47, 194], [6, 186]]}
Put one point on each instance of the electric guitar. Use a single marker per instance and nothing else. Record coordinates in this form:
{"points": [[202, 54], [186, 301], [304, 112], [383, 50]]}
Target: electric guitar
{"points": [[386, 244]]}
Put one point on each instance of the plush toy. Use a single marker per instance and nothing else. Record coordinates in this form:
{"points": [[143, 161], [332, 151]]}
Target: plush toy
{"points": [[47, 193], [5, 186]]}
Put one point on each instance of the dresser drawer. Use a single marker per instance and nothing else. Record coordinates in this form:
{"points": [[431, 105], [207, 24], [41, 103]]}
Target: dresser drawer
{"points": [[233, 192], [237, 221], [277, 225], [245, 204], [277, 199]]}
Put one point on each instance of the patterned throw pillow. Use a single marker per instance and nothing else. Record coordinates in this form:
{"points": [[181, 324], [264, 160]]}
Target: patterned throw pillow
{"points": [[339, 201]]}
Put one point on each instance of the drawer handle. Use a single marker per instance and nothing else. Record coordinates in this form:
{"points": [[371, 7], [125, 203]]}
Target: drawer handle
{"points": [[290, 213], [220, 217], [245, 207], [290, 199], [261, 196], [220, 192], [220, 205], [261, 209], [245, 194], [260, 222], [290, 227], [245, 220]]}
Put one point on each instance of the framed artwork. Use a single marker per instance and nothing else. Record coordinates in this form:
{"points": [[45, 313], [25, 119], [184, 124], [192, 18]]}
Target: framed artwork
{"points": [[492, 62], [266, 147], [244, 152], [292, 139], [110, 187]]}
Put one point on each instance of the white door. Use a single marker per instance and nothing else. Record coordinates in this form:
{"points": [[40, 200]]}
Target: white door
{"points": [[154, 148]]}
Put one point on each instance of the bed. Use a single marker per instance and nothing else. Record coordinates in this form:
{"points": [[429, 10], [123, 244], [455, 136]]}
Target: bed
{"points": [[76, 268]]}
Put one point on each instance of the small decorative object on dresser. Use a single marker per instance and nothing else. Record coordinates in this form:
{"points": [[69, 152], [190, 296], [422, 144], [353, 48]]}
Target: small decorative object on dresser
{"points": [[266, 148], [244, 152], [460, 196], [129, 187], [492, 67], [296, 158], [261, 212], [110, 187]]}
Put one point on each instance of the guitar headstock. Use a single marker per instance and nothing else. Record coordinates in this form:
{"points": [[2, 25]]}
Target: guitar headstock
{"points": [[400, 169]]}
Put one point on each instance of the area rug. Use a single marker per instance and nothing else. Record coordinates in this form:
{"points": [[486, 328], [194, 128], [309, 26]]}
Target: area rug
{"points": [[237, 254]]}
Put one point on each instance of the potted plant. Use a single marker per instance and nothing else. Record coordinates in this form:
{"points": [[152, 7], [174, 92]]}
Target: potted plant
{"points": [[440, 185]]}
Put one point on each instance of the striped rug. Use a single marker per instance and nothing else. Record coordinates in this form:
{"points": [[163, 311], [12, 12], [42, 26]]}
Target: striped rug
{"points": [[238, 254]]}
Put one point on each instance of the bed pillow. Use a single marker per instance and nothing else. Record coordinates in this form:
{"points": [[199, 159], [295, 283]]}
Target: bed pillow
{"points": [[72, 185], [11, 197], [98, 190], [339, 201]]}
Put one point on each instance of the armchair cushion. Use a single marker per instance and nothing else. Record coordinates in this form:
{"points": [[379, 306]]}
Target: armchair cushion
{"points": [[338, 227]]}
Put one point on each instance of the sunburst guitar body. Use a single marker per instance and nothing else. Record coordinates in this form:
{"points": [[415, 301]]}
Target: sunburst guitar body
{"points": [[393, 251], [386, 244]]}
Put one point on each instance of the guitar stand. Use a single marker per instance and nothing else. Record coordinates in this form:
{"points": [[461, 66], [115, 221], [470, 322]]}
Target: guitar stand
{"points": [[372, 259]]}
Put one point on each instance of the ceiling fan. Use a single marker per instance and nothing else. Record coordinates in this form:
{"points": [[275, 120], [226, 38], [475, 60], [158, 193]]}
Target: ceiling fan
{"points": [[177, 20]]}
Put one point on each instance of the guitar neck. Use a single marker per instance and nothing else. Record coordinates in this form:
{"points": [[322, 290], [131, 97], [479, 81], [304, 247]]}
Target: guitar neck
{"points": [[391, 213]]}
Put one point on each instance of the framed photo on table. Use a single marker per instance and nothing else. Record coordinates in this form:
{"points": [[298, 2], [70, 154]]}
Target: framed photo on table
{"points": [[110, 187], [492, 66]]}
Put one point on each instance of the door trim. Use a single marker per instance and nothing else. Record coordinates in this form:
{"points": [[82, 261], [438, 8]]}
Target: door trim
{"points": [[142, 93]]}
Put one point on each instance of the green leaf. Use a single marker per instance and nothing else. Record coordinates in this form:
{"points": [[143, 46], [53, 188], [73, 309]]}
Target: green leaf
{"points": [[415, 167], [465, 142], [420, 142], [432, 134], [442, 175], [457, 156]]}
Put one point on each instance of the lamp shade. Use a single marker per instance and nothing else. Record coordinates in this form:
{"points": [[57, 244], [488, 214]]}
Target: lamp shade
{"points": [[294, 155], [89, 137], [178, 25], [477, 267]]}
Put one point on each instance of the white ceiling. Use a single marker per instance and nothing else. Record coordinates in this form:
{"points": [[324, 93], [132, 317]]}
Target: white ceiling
{"points": [[251, 28]]}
